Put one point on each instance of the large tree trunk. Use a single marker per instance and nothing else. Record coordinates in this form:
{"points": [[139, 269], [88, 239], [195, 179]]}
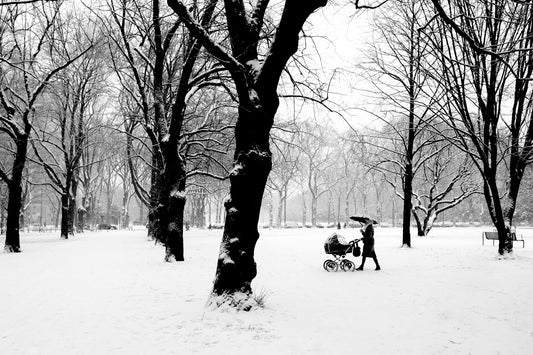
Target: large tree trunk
{"points": [[14, 204], [236, 266], [505, 245], [172, 204], [72, 215], [154, 223], [12, 243], [515, 178]]}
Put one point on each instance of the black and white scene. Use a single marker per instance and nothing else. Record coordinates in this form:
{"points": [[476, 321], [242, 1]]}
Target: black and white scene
{"points": [[266, 177]]}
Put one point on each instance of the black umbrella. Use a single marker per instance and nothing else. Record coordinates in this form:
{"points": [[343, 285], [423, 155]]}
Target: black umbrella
{"points": [[362, 219]]}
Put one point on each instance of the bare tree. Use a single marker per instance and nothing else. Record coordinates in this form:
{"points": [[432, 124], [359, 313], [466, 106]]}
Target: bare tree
{"points": [[399, 75], [74, 104], [26, 69], [93, 158], [256, 79], [443, 183], [163, 70], [485, 49], [318, 157], [284, 168]]}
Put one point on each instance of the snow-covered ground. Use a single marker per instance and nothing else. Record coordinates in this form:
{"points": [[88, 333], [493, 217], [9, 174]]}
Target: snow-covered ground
{"points": [[111, 293]]}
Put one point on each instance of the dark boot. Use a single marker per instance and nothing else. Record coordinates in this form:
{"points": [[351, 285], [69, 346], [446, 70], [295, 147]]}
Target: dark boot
{"points": [[361, 267], [377, 264]]}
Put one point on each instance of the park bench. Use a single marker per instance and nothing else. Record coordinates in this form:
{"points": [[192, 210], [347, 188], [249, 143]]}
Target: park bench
{"points": [[494, 236]]}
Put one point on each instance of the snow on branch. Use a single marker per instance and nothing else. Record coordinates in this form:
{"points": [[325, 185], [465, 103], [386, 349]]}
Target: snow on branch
{"points": [[203, 36], [22, 2]]}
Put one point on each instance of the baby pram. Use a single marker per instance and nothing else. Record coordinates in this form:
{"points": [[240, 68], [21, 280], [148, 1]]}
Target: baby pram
{"points": [[337, 246]]}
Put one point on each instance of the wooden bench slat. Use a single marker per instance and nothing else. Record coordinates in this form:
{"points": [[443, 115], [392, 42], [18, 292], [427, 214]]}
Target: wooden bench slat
{"points": [[494, 236]]}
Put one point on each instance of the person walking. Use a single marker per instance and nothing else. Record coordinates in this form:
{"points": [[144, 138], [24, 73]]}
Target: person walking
{"points": [[368, 248]]}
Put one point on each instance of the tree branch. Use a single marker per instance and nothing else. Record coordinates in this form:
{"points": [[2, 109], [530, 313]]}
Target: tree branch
{"points": [[203, 36]]}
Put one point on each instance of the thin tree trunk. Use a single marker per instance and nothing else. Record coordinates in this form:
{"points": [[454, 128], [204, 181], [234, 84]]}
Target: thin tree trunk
{"points": [[407, 205], [285, 193], [2, 216], [313, 210], [58, 214], [304, 210], [393, 212], [271, 211], [65, 198], [280, 208], [419, 226]]}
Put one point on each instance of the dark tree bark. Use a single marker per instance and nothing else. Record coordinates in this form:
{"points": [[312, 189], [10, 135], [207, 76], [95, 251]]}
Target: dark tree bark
{"points": [[407, 205], [3, 207], [65, 202], [256, 86], [14, 204]]}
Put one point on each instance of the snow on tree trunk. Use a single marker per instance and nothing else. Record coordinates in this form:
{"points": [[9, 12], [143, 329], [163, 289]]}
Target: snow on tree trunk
{"points": [[419, 227], [236, 266], [429, 221], [174, 238]]}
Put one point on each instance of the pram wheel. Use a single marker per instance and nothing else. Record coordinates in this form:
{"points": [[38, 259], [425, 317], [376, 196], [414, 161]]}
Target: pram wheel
{"points": [[347, 265], [330, 265]]}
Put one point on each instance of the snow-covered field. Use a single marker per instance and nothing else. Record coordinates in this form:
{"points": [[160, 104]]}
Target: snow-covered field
{"points": [[111, 293]]}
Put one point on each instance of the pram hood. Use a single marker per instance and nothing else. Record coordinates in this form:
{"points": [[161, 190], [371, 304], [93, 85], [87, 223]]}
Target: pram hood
{"points": [[336, 244], [336, 239]]}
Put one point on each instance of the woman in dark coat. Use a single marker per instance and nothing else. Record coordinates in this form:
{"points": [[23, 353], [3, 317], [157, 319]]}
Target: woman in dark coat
{"points": [[368, 247]]}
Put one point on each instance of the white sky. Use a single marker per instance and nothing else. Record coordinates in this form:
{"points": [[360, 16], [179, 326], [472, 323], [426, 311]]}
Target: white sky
{"points": [[343, 35]]}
